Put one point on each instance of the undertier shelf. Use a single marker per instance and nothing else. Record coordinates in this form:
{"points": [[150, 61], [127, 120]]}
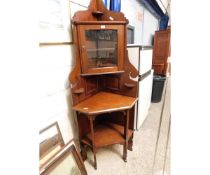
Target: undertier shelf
{"points": [[107, 134], [101, 73]]}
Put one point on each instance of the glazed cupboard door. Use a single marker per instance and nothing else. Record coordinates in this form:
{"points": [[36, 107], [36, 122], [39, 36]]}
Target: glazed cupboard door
{"points": [[101, 48]]}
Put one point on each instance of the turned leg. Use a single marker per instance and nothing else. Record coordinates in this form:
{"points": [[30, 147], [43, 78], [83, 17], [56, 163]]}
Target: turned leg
{"points": [[83, 152], [130, 143], [125, 147], [95, 162], [124, 152], [91, 118]]}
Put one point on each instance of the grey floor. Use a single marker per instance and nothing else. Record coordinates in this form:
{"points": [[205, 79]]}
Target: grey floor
{"points": [[151, 149]]}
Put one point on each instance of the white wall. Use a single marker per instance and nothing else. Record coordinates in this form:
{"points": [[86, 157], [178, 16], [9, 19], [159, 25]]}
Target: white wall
{"points": [[78, 5], [141, 19], [133, 11], [57, 63], [150, 25], [55, 99]]}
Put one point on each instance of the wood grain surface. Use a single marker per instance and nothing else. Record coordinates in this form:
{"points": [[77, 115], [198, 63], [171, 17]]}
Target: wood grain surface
{"points": [[104, 102]]}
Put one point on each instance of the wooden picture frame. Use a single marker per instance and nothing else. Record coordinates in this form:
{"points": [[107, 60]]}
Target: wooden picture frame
{"points": [[66, 162], [51, 141]]}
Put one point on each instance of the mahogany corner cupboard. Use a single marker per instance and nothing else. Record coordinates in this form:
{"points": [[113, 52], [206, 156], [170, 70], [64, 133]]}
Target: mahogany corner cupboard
{"points": [[103, 89]]}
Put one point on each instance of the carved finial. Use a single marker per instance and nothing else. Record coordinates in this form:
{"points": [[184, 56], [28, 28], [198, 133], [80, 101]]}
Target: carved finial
{"points": [[97, 7], [97, 11]]}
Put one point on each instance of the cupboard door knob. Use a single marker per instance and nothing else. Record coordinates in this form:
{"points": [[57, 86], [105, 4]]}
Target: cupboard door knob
{"points": [[83, 48]]}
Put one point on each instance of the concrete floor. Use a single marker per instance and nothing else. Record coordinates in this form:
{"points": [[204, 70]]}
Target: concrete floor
{"points": [[151, 149]]}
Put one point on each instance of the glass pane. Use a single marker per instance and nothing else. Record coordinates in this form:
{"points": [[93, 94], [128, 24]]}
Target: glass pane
{"points": [[67, 167], [101, 46]]}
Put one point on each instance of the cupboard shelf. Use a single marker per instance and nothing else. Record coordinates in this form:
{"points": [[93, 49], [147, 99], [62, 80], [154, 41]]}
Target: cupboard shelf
{"points": [[102, 73], [101, 49], [110, 132]]}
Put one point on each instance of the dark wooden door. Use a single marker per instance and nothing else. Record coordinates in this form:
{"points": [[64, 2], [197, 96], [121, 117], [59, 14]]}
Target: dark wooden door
{"points": [[161, 51]]}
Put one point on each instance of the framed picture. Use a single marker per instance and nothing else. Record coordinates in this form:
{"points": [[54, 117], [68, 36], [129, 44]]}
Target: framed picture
{"points": [[50, 143], [54, 21], [66, 162], [130, 34]]}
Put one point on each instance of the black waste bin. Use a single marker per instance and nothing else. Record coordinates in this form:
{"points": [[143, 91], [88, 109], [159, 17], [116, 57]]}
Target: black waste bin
{"points": [[157, 88]]}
